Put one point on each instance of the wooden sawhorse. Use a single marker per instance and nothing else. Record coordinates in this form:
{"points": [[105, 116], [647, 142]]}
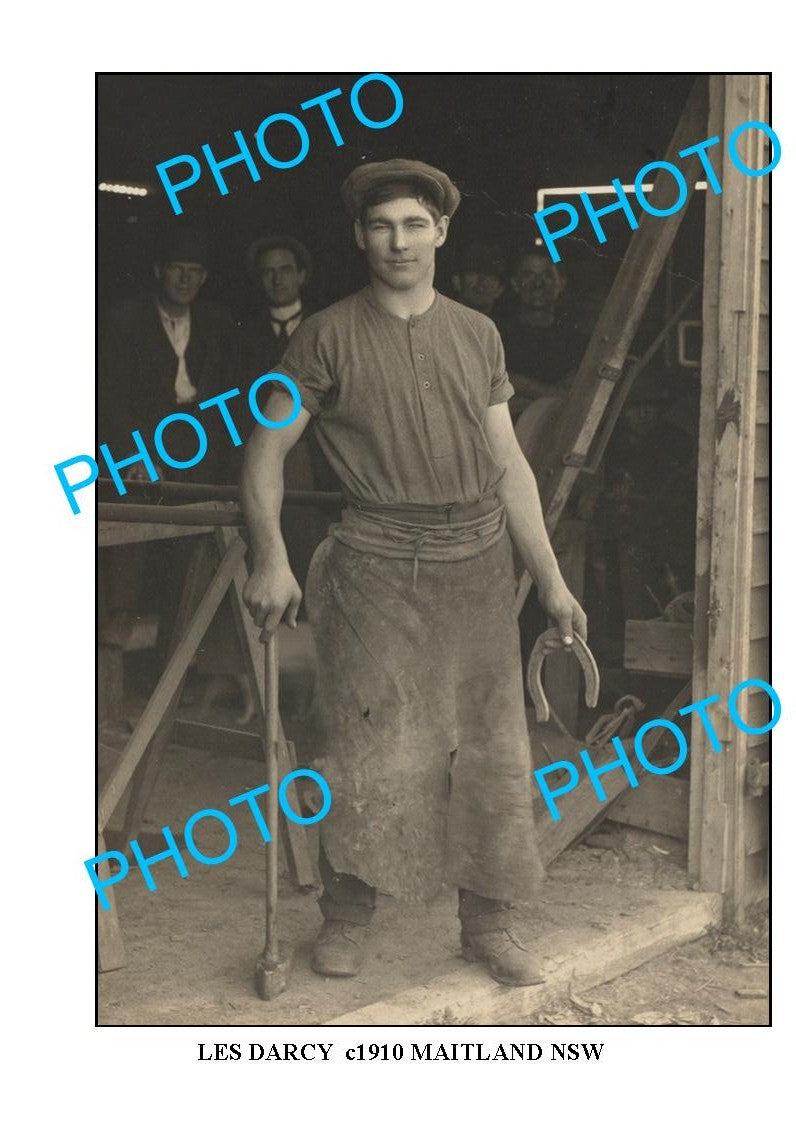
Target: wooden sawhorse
{"points": [[205, 586]]}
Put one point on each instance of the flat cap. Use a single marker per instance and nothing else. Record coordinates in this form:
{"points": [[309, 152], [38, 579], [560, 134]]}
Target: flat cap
{"points": [[367, 176], [278, 242]]}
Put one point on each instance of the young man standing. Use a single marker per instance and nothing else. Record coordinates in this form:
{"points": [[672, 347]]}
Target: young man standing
{"points": [[419, 691]]}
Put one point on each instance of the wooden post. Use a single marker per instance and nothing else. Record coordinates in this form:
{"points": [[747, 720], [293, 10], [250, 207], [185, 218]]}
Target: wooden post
{"points": [[731, 311], [110, 947]]}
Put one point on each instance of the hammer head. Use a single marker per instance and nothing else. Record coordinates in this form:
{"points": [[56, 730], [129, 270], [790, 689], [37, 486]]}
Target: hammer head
{"points": [[271, 973]]}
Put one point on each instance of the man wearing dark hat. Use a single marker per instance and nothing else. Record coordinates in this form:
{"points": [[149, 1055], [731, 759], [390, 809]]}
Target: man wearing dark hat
{"points": [[419, 692], [162, 351], [165, 350]]}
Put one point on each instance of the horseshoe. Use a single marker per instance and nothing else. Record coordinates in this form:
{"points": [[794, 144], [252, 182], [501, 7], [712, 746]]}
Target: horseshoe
{"points": [[551, 641]]}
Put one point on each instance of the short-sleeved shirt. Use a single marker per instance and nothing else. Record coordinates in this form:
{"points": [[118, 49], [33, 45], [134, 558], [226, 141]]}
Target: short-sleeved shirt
{"points": [[400, 405]]}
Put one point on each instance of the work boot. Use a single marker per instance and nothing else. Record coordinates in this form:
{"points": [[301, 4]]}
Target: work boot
{"points": [[339, 949], [507, 960]]}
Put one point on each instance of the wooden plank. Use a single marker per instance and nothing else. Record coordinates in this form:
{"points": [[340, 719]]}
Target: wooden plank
{"points": [[765, 292], [169, 683], [757, 876], [658, 646], [618, 322], [581, 808], [755, 707], [122, 534], [765, 242], [756, 823], [110, 947], [577, 959], [759, 616], [660, 804], [705, 457], [758, 767], [184, 514], [761, 501], [740, 294], [763, 368], [110, 681], [762, 451], [761, 559], [146, 774], [759, 659], [212, 738]]}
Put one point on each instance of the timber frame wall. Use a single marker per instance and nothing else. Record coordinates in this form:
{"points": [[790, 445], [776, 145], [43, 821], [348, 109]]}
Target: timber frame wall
{"points": [[728, 834]]}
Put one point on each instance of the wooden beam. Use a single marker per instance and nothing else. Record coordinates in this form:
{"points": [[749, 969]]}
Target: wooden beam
{"points": [[729, 503], [577, 958], [581, 808], [585, 420], [110, 947], [122, 534], [659, 646], [616, 327], [169, 682], [187, 514], [202, 735], [146, 774], [704, 520], [194, 493], [660, 804]]}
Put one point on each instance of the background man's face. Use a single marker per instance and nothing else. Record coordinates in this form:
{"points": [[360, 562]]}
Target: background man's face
{"points": [[400, 238], [281, 277], [641, 417], [478, 289], [180, 281], [537, 282]]}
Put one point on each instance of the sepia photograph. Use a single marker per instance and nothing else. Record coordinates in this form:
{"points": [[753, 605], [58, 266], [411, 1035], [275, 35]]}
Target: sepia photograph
{"points": [[431, 487]]}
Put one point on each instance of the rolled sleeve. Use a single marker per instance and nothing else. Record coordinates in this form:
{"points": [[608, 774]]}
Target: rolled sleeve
{"points": [[307, 365], [500, 388]]}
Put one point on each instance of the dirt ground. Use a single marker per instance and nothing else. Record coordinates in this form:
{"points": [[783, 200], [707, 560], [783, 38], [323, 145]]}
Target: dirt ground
{"points": [[722, 979], [191, 945]]}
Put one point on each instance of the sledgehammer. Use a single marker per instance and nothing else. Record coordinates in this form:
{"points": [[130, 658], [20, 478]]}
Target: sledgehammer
{"points": [[271, 969]]}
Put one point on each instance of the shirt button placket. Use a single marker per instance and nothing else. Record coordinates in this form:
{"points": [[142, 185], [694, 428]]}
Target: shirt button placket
{"points": [[421, 355]]}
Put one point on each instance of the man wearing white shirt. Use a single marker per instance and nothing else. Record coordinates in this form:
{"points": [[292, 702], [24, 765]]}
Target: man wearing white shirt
{"points": [[280, 267], [163, 351]]}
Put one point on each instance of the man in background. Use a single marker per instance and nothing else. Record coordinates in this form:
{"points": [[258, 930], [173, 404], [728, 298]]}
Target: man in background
{"points": [[162, 351], [280, 267], [480, 277], [541, 337]]}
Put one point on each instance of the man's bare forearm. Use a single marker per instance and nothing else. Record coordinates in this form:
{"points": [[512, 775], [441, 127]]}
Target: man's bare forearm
{"points": [[262, 490], [520, 496], [262, 486]]}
